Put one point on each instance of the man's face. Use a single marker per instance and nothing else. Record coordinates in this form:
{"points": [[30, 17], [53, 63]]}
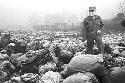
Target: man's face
{"points": [[91, 13]]}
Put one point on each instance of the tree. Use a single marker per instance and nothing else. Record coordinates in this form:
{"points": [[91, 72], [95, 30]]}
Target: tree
{"points": [[122, 7], [122, 12], [123, 22]]}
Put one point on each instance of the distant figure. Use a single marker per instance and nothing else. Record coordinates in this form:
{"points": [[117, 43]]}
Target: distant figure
{"points": [[93, 24]]}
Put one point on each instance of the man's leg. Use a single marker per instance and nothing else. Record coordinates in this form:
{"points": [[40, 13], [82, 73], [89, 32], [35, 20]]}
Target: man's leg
{"points": [[100, 45], [90, 44]]}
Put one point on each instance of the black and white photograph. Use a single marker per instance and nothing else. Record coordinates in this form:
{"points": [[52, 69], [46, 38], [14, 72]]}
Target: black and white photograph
{"points": [[62, 41]]}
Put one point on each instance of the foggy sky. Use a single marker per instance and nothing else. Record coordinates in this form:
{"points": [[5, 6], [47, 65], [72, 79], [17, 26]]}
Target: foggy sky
{"points": [[19, 11]]}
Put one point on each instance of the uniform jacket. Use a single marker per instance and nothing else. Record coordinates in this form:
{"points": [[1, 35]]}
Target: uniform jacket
{"points": [[92, 24]]}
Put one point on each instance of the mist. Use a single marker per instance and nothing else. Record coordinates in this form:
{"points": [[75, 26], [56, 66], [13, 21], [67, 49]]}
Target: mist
{"points": [[30, 12]]}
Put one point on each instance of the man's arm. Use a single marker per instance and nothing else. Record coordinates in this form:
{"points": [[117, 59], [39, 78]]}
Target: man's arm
{"points": [[85, 23], [101, 25]]}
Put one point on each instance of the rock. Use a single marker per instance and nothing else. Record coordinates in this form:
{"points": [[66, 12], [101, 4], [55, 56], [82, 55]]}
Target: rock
{"points": [[65, 56], [115, 76], [84, 63], [3, 76], [122, 53], [81, 78], [4, 57], [51, 77], [47, 67]]}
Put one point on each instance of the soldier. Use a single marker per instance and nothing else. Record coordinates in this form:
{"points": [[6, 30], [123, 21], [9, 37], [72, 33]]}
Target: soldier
{"points": [[93, 25]]}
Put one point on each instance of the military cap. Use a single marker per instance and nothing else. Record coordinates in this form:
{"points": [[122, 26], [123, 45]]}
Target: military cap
{"points": [[92, 8]]}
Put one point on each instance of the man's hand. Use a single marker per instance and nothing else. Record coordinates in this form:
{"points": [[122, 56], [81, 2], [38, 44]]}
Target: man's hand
{"points": [[99, 32]]}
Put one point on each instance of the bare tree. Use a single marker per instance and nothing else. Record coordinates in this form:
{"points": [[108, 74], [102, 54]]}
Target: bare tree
{"points": [[123, 22], [122, 7]]}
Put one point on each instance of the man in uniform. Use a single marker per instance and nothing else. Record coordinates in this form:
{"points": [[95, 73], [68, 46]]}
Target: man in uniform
{"points": [[93, 25]]}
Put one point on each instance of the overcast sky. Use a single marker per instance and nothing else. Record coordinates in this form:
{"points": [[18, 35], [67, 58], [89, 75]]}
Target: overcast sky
{"points": [[18, 11]]}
